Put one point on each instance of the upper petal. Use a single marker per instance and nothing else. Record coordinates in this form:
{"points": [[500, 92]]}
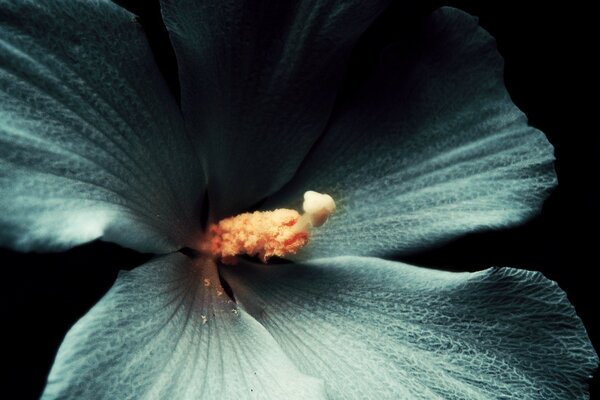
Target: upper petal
{"points": [[379, 329], [258, 81], [431, 148], [92, 144], [166, 330]]}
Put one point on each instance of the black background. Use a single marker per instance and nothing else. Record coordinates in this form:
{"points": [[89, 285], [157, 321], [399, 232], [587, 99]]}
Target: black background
{"points": [[547, 50]]}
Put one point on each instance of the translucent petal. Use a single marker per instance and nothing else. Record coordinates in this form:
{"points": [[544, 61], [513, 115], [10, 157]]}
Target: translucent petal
{"points": [[379, 329], [258, 81], [430, 149], [91, 142], [167, 330]]}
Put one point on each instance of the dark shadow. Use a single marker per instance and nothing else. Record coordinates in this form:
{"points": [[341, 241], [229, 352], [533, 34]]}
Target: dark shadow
{"points": [[150, 19]]}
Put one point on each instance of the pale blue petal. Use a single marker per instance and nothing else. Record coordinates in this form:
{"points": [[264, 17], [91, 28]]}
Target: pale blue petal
{"points": [[92, 145], [258, 81], [384, 330], [430, 149], [166, 330]]}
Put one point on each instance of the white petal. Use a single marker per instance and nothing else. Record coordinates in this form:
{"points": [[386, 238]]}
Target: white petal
{"points": [[258, 81], [431, 148], [92, 144], [166, 330], [379, 329]]}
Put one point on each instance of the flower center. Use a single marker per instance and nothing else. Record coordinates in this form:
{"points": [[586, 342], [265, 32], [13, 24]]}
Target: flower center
{"points": [[267, 233]]}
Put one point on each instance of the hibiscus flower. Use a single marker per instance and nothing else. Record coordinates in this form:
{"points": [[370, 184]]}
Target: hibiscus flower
{"points": [[93, 145]]}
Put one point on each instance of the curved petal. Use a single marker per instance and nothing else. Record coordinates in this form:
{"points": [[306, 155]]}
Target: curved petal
{"points": [[432, 148], [166, 330], [91, 142], [379, 329], [258, 81]]}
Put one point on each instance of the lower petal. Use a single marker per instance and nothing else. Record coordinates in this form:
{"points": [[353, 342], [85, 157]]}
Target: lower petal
{"points": [[379, 329], [167, 330]]}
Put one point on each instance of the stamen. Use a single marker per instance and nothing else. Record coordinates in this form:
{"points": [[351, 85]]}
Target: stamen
{"points": [[268, 233]]}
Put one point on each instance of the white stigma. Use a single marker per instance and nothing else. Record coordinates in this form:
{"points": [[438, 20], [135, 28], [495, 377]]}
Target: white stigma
{"points": [[318, 207]]}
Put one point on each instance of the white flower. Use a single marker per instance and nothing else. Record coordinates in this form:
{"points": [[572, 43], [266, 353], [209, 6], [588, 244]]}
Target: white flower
{"points": [[93, 145]]}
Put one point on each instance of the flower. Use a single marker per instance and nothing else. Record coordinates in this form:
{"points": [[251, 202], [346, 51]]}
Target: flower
{"points": [[93, 145]]}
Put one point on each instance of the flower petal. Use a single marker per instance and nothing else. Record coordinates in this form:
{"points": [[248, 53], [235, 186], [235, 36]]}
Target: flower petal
{"points": [[166, 330], [380, 329], [91, 142], [258, 83], [431, 148]]}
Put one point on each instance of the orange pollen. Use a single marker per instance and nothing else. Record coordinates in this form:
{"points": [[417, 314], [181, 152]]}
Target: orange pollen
{"points": [[267, 233], [262, 233]]}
